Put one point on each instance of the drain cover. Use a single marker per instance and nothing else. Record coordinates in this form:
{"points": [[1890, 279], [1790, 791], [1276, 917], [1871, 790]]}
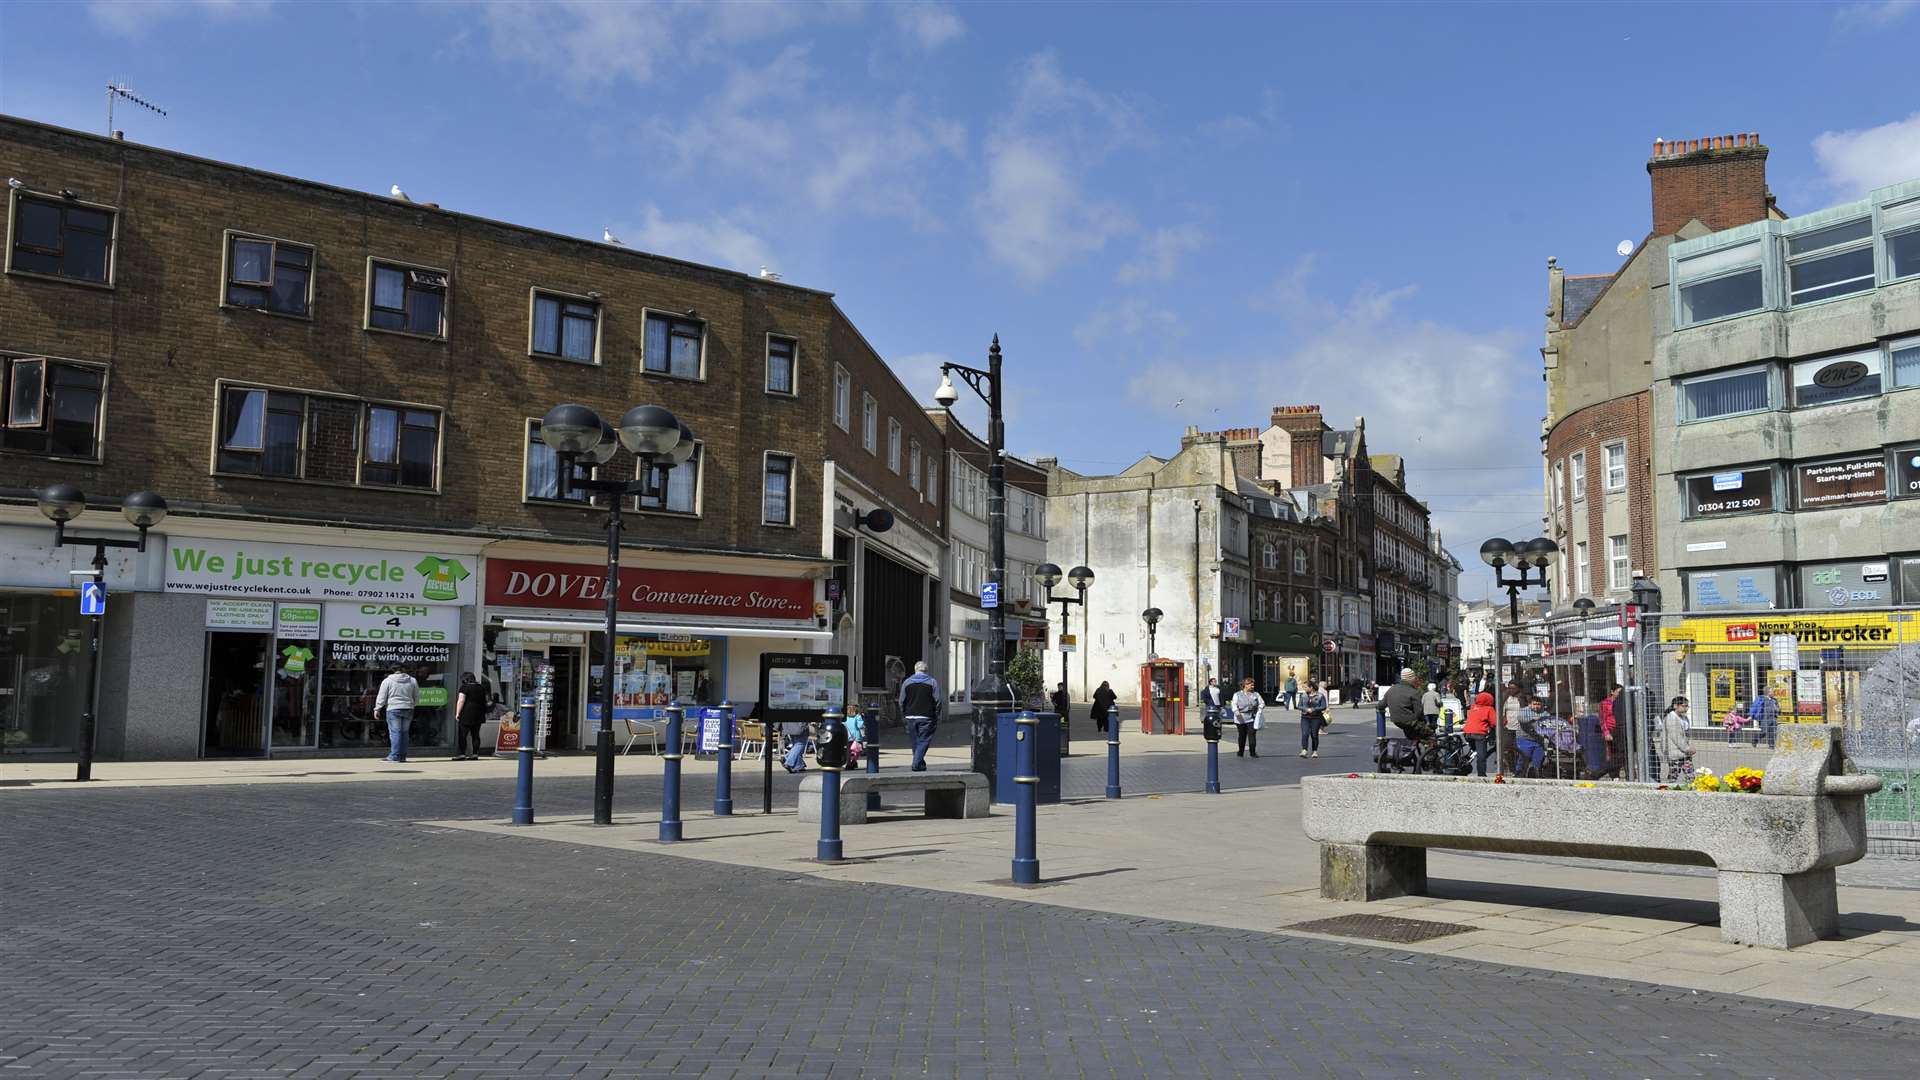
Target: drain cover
{"points": [[1381, 928]]}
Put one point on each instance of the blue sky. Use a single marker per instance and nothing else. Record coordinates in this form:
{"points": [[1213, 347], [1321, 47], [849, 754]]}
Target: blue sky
{"points": [[1170, 214]]}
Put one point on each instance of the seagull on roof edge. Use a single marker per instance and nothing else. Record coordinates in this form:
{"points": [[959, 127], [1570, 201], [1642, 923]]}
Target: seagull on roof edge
{"points": [[401, 195], [607, 237]]}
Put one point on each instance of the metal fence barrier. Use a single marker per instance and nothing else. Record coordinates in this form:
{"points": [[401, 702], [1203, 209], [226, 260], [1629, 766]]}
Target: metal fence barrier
{"points": [[1743, 674]]}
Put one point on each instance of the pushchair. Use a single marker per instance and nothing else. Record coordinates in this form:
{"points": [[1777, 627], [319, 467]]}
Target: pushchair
{"points": [[1561, 739]]}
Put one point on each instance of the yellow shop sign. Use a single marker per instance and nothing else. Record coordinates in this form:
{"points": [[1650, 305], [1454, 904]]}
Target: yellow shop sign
{"points": [[1862, 630]]}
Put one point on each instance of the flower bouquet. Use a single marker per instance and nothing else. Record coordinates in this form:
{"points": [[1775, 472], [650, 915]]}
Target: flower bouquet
{"points": [[1739, 780]]}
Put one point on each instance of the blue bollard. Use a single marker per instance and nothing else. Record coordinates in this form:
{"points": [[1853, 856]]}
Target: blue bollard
{"points": [[523, 789], [723, 779], [1113, 756], [872, 726], [1380, 721], [1213, 763], [829, 849], [670, 786], [1026, 855]]}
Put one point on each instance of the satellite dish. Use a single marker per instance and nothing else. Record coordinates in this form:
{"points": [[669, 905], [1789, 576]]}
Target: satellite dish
{"points": [[1624, 249]]}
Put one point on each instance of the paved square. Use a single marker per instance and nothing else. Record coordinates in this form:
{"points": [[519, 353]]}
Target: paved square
{"points": [[309, 930]]}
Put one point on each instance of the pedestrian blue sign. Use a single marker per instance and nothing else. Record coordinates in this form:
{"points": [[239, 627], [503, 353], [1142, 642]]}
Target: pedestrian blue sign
{"points": [[989, 594], [93, 598]]}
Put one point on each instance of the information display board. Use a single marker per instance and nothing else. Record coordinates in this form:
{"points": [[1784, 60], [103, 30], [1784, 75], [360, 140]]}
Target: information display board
{"points": [[798, 687]]}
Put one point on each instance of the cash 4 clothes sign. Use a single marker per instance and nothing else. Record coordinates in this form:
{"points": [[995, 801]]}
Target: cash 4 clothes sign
{"points": [[313, 572]]}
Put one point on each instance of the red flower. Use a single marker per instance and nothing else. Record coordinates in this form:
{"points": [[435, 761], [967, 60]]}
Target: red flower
{"points": [[1499, 778], [1353, 776]]}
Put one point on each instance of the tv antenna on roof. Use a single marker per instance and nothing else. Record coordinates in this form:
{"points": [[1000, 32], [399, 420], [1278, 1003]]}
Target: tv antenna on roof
{"points": [[120, 90]]}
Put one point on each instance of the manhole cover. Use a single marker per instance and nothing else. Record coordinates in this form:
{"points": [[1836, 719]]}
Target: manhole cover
{"points": [[1381, 928]]}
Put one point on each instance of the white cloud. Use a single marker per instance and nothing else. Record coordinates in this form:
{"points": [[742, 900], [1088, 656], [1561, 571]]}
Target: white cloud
{"points": [[929, 25], [1133, 322], [1855, 162], [132, 17], [1877, 15], [718, 241], [1437, 394], [1034, 214], [1160, 253], [592, 43]]}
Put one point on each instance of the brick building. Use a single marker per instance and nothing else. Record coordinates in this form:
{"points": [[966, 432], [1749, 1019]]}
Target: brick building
{"points": [[1601, 332], [325, 383]]}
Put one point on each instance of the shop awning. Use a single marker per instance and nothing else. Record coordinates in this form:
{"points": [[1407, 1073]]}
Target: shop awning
{"points": [[633, 628]]}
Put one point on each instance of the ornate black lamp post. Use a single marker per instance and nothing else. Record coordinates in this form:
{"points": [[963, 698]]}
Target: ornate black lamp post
{"points": [[1048, 575], [1152, 615], [660, 441], [993, 694], [143, 510]]}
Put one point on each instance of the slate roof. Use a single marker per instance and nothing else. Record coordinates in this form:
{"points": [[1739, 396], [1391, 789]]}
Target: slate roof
{"points": [[1577, 294]]}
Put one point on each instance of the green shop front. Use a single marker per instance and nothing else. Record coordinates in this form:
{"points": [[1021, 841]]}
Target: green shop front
{"points": [[298, 638], [1283, 649]]}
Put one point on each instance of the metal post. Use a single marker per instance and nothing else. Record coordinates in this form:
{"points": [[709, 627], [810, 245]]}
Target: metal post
{"points": [[986, 716], [1113, 754], [89, 720], [1213, 760], [523, 788], [766, 767], [871, 748], [603, 739], [829, 848], [670, 783], [723, 762], [1026, 856]]}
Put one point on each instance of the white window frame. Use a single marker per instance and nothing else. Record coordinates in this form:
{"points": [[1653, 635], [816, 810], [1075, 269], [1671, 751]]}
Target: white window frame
{"points": [[1759, 243], [1788, 261], [869, 423], [1583, 585], [1608, 452], [446, 298], [1619, 562], [599, 320], [1559, 482], [913, 464], [793, 359], [1680, 393], [894, 434], [1577, 470], [706, 332], [793, 487], [842, 399], [933, 480]]}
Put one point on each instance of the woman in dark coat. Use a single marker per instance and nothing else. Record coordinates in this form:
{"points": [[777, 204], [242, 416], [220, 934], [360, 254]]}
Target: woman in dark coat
{"points": [[1103, 700]]}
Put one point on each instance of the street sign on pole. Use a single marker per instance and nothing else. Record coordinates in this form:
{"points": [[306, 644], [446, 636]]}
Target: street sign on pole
{"points": [[1330, 647], [1230, 627], [989, 594], [93, 598], [1068, 642]]}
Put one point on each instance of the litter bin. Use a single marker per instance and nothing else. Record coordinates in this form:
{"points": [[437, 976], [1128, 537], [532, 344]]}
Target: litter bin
{"points": [[1046, 757]]}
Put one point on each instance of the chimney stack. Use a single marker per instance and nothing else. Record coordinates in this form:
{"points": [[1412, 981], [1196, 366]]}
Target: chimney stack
{"points": [[1719, 179], [1303, 425]]}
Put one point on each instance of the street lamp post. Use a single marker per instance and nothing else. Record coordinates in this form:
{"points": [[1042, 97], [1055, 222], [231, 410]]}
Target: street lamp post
{"points": [[660, 441], [143, 510], [1152, 615], [1530, 558], [1048, 575], [992, 694]]}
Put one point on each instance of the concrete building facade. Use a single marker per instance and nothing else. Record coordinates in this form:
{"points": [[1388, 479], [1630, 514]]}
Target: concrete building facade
{"points": [[1787, 443]]}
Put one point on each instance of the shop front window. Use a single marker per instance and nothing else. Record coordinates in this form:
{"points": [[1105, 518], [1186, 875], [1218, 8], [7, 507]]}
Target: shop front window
{"points": [[352, 673], [655, 671], [43, 671]]}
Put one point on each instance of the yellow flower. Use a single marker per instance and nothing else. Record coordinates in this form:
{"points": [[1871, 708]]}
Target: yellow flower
{"points": [[1586, 783]]}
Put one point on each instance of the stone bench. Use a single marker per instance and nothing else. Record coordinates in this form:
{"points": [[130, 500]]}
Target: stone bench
{"points": [[1774, 852], [946, 794]]}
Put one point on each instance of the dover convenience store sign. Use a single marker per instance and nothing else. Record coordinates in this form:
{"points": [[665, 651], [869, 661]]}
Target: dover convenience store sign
{"points": [[518, 583], [1867, 630], [311, 572]]}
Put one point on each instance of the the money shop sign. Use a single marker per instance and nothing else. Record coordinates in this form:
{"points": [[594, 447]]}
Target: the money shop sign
{"points": [[313, 572]]}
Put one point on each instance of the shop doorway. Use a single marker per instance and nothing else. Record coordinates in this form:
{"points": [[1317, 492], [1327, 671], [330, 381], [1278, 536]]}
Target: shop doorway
{"points": [[561, 663], [236, 683]]}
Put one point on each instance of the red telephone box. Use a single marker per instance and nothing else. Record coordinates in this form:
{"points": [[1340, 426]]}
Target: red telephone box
{"points": [[1163, 697]]}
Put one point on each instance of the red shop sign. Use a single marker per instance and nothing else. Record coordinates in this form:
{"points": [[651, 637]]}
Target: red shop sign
{"points": [[519, 583]]}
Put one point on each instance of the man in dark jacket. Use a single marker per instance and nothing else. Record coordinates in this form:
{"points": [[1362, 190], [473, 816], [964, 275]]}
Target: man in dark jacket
{"points": [[920, 707], [1403, 706]]}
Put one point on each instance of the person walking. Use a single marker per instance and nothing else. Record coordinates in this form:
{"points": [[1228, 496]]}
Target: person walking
{"points": [[1510, 719], [1479, 729], [1248, 707], [398, 695], [469, 712], [1212, 702], [1289, 691], [1430, 706], [1313, 717], [920, 706], [1103, 700], [1766, 719], [1676, 740], [1060, 703], [795, 732]]}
